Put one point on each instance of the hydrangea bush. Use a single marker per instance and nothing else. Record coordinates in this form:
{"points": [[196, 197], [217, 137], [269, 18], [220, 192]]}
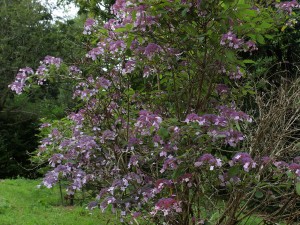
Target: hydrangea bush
{"points": [[158, 130]]}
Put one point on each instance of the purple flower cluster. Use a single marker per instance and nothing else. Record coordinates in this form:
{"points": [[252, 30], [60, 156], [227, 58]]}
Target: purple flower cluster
{"points": [[288, 6], [231, 40], [88, 89], [235, 75], [222, 89], [207, 120], [89, 26], [50, 60], [167, 206], [146, 121], [208, 159], [232, 114], [20, 80], [151, 50], [74, 70], [243, 159]]}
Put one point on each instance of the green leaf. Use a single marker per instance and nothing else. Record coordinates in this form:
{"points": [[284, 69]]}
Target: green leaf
{"points": [[237, 126], [268, 36], [249, 61], [233, 171], [121, 29], [265, 25], [163, 132], [259, 194], [260, 39], [298, 188]]}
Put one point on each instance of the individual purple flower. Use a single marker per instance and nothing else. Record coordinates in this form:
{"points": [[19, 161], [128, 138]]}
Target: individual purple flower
{"points": [[147, 71], [78, 118], [56, 159], [193, 117], [208, 159]]}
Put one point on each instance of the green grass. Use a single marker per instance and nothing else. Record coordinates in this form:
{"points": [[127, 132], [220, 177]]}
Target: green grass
{"points": [[22, 203]]}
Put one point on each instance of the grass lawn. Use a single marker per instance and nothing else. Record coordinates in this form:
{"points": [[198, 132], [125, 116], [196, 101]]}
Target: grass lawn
{"points": [[22, 203]]}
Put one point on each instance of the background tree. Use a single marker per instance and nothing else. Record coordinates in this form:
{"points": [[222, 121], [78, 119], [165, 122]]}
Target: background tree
{"points": [[27, 35]]}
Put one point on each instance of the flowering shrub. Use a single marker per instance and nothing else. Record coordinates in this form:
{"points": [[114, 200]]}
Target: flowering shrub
{"points": [[157, 126]]}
